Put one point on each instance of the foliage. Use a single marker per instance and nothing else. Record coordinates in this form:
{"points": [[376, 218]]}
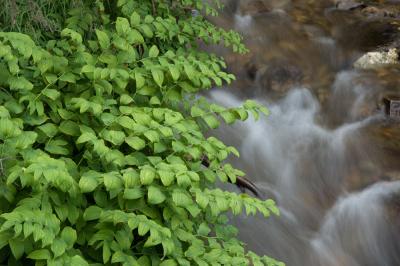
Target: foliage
{"points": [[102, 141]]}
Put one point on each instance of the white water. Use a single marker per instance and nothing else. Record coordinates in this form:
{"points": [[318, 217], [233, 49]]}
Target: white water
{"points": [[303, 166], [317, 162], [357, 230]]}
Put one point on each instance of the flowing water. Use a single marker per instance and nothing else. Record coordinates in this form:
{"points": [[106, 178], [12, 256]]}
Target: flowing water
{"points": [[320, 154]]}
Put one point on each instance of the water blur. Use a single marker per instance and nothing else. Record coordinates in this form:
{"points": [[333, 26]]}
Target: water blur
{"points": [[327, 154]]}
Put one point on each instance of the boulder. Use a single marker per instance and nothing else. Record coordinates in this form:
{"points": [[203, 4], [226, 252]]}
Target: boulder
{"points": [[373, 60]]}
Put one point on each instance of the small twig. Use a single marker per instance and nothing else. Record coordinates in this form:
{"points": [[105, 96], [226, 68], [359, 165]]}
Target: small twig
{"points": [[153, 4], [241, 182], [13, 12]]}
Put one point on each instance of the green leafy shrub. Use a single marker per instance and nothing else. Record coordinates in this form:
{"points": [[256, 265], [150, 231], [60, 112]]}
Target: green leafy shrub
{"points": [[102, 142]]}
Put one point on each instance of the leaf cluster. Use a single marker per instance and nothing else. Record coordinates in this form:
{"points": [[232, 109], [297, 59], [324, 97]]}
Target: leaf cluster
{"points": [[102, 140]]}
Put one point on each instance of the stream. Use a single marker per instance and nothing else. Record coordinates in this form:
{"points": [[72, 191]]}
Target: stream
{"points": [[327, 154]]}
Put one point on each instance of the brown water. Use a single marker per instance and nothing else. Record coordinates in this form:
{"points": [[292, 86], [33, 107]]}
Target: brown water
{"points": [[327, 154]]}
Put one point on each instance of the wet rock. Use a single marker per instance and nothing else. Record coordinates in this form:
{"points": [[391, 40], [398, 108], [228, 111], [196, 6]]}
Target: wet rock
{"points": [[391, 176], [374, 60], [253, 7], [349, 4], [372, 11], [279, 78]]}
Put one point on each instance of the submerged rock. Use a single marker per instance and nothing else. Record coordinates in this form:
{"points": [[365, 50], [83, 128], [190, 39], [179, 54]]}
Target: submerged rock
{"points": [[256, 7], [374, 60], [253, 7], [279, 77]]}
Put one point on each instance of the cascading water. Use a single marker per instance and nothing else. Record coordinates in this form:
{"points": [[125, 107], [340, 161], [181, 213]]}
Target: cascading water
{"points": [[357, 230], [316, 160], [295, 161]]}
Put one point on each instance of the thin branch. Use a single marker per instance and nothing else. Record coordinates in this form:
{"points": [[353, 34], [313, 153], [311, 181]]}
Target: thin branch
{"points": [[241, 182], [153, 4]]}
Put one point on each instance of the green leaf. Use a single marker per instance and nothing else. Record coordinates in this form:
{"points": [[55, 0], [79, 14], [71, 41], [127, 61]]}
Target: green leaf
{"points": [[88, 183], [204, 229], [17, 247], [196, 111], [69, 127], [126, 122], [174, 71], [158, 76], [264, 110], [228, 116], [243, 115], [68, 77], [169, 262], [58, 247], [147, 90], [88, 69], [153, 52], [51, 93], [202, 200], [155, 100], [122, 26], [135, 19], [134, 37], [25, 140], [118, 257], [183, 180], [20, 83], [140, 81], [103, 38], [189, 70], [85, 137], [144, 261], [113, 136], [135, 142], [106, 252], [78, 261], [155, 195], [125, 99], [181, 198], [49, 129], [112, 181], [152, 135], [167, 177], [133, 193], [92, 213], [147, 175], [57, 147], [146, 29], [41, 254], [68, 235], [211, 121]]}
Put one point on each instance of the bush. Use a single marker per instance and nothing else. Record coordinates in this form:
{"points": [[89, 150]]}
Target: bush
{"points": [[102, 141]]}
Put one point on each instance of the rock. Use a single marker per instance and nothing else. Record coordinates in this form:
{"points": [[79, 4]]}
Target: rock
{"points": [[372, 11], [256, 7], [253, 7], [349, 4], [373, 60], [279, 77]]}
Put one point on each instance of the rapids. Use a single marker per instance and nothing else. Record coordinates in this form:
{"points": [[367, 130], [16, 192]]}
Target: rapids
{"points": [[315, 154]]}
